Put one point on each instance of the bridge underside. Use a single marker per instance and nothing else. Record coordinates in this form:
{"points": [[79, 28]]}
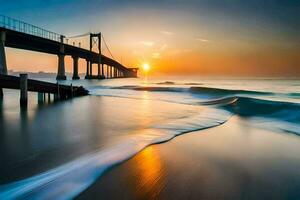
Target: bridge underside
{"points": [[107, 67]]}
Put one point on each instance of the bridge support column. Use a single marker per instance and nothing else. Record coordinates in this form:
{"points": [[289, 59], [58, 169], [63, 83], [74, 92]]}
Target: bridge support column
{"points": [[107, 71], [3, 67], [75, 68], [99, 73], [108, 67], [87, 69], [102, 70], [91, 68], [61, 74], [23, 90]]}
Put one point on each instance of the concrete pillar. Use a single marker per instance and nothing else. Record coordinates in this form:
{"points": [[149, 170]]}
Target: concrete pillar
{"points": [[99, 74], [75, 68], [91, 69], [87, 69], [102, 70], [3, 67], [72, 91], [107, 71], [23, 90], [40, 98], [110, 71], [57, 95], [61, 74]]}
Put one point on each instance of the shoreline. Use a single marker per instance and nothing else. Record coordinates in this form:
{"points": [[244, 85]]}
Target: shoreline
{"points": [[231, 161]]}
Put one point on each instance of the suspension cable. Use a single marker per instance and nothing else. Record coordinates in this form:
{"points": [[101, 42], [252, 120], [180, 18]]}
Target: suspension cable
{"points": [[88, 33], [107, 47]]}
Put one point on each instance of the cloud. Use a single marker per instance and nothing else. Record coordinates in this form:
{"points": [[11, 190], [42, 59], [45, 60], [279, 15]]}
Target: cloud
{"points": [[202, 40], [167, 32], [156, 55], [147, 43]]}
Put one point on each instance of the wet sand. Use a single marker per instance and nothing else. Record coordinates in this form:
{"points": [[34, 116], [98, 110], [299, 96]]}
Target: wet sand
{"points": [[231, 161]]}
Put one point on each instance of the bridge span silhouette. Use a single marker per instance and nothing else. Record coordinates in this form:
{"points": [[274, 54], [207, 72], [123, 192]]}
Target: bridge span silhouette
{"points": [[21, 35]]}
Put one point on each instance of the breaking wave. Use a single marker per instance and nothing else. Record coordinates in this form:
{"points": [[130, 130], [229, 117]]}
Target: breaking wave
{"points": [[261, 107]]}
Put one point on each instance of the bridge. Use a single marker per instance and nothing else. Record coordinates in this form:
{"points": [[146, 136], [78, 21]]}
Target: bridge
{"points": [[21, 35]]}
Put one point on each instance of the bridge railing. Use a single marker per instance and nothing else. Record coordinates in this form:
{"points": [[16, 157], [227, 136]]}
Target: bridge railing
{"points": [[17, 25]]}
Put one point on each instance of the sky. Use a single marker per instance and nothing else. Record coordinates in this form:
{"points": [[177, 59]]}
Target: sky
{"points": [[176, 37]]}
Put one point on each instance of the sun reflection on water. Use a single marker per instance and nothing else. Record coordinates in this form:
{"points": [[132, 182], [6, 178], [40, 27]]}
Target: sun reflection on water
{"points": [[150, 173]]}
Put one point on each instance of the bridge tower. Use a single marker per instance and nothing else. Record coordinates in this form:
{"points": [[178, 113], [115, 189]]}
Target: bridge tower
{"points": [[95, 41], [3, 67], [61, 72]]}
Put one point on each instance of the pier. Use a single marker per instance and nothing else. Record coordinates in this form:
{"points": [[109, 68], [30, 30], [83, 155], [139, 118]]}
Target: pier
{"points": [[43, 88]]}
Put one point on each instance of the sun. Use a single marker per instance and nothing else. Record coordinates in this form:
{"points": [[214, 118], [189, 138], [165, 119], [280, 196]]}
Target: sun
{"points": [[146, 67]]}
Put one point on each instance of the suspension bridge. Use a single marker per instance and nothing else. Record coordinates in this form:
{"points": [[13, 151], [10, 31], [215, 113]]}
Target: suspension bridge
{"points": [[17, 34]]}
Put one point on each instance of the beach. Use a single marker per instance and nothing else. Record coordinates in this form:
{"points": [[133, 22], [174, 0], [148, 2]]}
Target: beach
{"points": [[233, 161], [176, 139]]}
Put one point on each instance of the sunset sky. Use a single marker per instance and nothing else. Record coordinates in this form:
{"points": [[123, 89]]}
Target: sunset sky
{"points": [[176, 37]]}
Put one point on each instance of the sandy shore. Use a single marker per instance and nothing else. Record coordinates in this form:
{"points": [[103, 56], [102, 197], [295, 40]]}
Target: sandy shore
{"points": [[232, 161]]}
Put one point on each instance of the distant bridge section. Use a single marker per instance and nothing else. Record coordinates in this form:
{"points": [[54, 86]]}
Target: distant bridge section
{"points": [[21, 35]]}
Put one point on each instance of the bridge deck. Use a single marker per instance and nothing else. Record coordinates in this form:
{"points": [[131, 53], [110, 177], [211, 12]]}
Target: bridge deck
{"points": [[25, 41]]}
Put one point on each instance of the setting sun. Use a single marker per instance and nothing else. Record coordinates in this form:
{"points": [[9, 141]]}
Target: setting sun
{"points": [[146, 67]]}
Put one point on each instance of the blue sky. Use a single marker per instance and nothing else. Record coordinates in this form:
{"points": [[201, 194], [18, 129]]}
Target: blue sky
{"points": [[240, 27], [284, 14]]}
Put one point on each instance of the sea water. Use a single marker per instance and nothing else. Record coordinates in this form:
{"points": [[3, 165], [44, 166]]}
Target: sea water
{"points": [[58, 149]]}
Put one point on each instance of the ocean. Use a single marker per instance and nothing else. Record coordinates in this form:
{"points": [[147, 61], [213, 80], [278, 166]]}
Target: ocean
{"points": [[54, 147]]}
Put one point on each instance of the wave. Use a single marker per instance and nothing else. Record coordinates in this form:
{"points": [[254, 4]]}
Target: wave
{"points": [[219, 91], [248, 107], [274, 115], [174, 83], [203, 90], [152, 88], [69, 180], [166, 83], [239, 102]]}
